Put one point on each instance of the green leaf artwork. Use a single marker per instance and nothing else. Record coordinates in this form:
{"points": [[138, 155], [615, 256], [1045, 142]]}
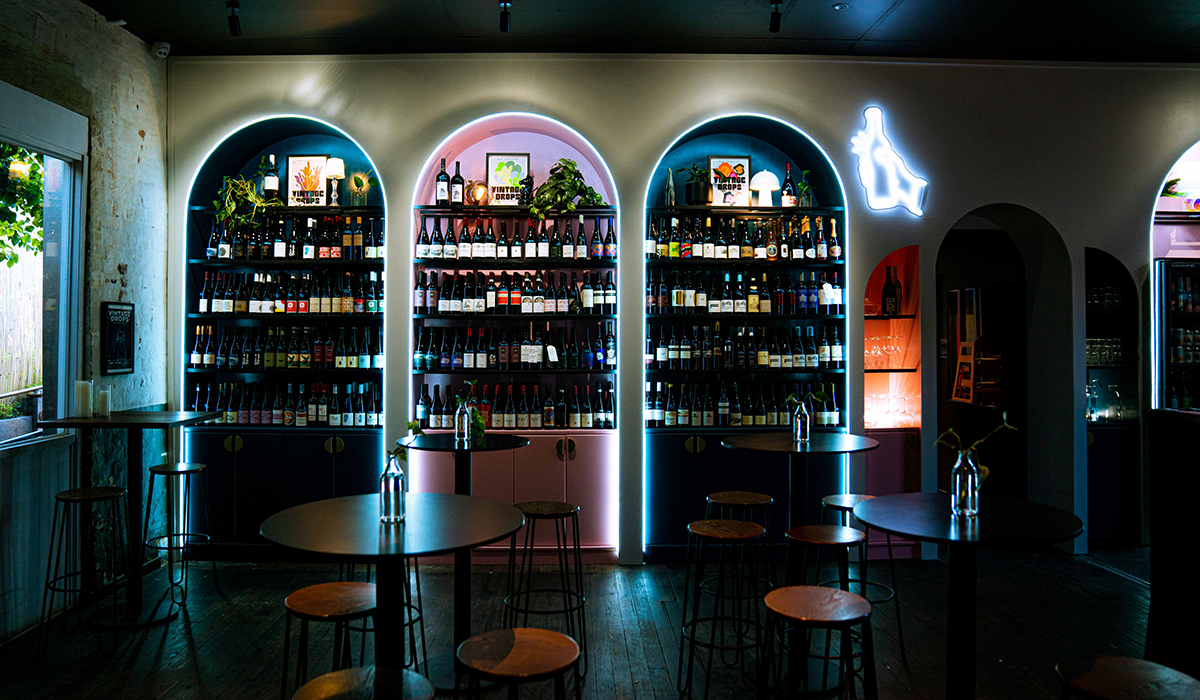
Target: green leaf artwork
{"points": [[509, 173]]}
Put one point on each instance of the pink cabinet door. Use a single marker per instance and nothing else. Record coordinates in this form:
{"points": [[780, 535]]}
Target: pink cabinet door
{"points": [[539, 474], [431, 472], [492, 475], [592, 485]]}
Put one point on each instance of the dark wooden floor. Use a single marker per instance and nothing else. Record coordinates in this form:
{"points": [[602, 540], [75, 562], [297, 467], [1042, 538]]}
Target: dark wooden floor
{"points": [[1033, 609]]}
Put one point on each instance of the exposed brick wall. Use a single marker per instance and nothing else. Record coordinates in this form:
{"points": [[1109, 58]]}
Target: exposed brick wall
{"points": [[67, 53]]}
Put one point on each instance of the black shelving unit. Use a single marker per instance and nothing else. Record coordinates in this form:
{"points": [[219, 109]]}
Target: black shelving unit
{"points": [[683, 464], [558, 329]]}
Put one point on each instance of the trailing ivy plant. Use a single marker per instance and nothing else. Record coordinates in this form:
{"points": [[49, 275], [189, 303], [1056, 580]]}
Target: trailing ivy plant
{"points": [[239, 200], [20, 204], [561, 190]]}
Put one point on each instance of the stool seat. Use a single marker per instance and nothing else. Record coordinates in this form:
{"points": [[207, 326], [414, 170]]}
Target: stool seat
{"points": [[739, 499], [1113, 677], [365, 683], [826, 535], [547, 509], [178, 468], [332, 602], [726, 529], [90, 494], [818, 604], [523, 653], [844, 501]]}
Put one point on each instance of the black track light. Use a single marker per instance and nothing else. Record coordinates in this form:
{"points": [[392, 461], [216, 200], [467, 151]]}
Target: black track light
{"points": [[776, 18], [505, 16], [235, 22]]}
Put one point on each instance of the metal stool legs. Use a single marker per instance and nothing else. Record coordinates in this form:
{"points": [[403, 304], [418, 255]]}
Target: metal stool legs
{"points": [[178, 539]]}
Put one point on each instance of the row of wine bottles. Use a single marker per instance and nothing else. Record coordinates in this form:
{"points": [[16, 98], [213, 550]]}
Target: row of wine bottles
{"points": [[322, 406], [521, 407], [535, 294], [685, 405], [292, 293], [304, 238], [440, 349], [733, 239], [536, 243], [771, 349], [816, 293], [302, 348]]}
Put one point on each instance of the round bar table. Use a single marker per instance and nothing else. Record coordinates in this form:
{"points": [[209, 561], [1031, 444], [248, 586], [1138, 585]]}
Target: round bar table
{"points": [[1001, 522], [435, 523], [798, 452], [446, 442]]}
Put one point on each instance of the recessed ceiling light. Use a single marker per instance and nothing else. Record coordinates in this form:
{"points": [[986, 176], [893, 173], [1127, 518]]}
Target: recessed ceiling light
{"points": [[842, 6]]}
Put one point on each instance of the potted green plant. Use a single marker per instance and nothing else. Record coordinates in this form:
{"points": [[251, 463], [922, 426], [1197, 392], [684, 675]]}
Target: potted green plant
{"points": [[698, 188], [239, 200], [561, 191], [968, 473]]}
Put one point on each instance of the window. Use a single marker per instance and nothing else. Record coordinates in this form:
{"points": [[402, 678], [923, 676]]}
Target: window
{"points": [[41, 178]]}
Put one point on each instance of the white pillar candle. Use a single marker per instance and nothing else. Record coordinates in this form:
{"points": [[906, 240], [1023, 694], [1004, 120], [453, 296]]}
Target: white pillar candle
{"points": [[102, 402], [83, 399]]}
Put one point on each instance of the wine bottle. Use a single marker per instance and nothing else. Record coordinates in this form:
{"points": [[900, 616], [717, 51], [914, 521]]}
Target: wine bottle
{"points": [[787, 192], [442, 187], [457, 186]]}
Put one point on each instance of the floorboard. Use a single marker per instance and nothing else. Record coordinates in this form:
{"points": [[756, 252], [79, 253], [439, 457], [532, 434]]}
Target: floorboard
{"points": [[1034, 608]]}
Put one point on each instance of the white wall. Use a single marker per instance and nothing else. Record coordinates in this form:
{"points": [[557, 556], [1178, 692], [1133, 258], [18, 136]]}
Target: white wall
{"points": [[1086, 147]]}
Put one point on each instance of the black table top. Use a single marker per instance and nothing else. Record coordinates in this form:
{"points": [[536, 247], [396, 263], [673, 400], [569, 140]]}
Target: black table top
{"points": [[820, 443], [446, 442], [1001, 520], [134, 419], [435, 523]]}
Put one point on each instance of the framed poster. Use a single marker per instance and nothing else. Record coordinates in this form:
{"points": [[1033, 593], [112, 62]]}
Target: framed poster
{"points": [[306, 181], [730, 177], [116, 338], [964, 379], [504, 174]]}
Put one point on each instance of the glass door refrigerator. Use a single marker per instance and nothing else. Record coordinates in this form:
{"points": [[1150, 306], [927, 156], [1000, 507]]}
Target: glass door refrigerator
{"points": [[1176, 338]]}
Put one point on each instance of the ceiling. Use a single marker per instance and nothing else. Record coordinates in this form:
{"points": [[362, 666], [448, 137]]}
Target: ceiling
{"points": [[1067, 30]]}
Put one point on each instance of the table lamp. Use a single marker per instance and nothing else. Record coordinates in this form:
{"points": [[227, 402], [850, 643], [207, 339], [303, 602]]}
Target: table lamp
{"points": [[335, 169]]}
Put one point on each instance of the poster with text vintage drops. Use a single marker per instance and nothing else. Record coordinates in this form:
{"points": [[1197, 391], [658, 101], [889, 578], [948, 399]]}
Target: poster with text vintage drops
{"points": [[504, 174], [116, 338], [730, 176], [306, 181]]}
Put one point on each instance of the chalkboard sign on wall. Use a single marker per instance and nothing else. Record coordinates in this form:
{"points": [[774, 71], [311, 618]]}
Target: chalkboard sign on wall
{"points": [[116, 338]]}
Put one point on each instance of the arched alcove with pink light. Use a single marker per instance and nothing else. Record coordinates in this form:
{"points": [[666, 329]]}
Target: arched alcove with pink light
{"points": [[563, 463]]}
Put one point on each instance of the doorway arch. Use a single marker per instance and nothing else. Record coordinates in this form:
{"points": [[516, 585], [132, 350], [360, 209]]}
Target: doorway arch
{"points": [[1043, 394]]}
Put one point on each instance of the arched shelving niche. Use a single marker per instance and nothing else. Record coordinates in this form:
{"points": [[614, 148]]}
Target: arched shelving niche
{"points": [[683, 463], [291, 463], [563, 463]]}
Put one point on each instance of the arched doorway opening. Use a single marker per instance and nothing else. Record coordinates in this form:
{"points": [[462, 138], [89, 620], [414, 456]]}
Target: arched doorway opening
{"points": [[1004, 289]]}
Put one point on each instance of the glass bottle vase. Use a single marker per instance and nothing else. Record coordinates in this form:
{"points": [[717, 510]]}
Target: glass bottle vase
{"points": [[392, 487], [801, 423], [965, 480], [464, 422]]}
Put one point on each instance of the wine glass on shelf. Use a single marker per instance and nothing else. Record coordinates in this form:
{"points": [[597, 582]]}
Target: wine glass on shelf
{"points": [[906, 419]]}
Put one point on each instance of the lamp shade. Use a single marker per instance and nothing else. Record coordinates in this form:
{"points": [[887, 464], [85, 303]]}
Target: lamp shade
{"points": [[335, 169], [765, 183]]}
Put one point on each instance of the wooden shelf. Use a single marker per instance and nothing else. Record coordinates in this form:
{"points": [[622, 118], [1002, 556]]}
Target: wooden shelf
{"points": [[510, 211], [765, 372], [484, 264], [291, 319], [516, 317], [511, 372], [880, 317], [746, 317], [736, 429], [891, 371], [291, 371], [706, 209], [373, 264], [315, 211], [245, 427], [738, 264]]}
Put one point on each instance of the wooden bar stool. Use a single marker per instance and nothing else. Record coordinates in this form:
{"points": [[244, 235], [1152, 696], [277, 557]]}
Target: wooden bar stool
{"points": [[75, 504], [843, 505], [366, 683], [520, 655], [742, 539], [1123, 678], [793, 611], [341, 603], [181, 538], [522, 598], [836, 537]]}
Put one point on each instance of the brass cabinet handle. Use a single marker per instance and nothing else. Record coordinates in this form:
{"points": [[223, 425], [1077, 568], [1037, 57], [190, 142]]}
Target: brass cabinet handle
{"points": [[700, 444], [229, 444], [329, 445], [687, 444], [341, 444], [571, 448], [558, 447], [233, 443]]}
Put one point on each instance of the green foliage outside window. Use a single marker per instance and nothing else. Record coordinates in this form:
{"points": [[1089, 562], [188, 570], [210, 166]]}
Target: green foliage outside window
{"points": [[20, 202]]}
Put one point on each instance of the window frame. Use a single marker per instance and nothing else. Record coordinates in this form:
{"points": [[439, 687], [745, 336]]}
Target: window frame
{"points": [[50, 129]]}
